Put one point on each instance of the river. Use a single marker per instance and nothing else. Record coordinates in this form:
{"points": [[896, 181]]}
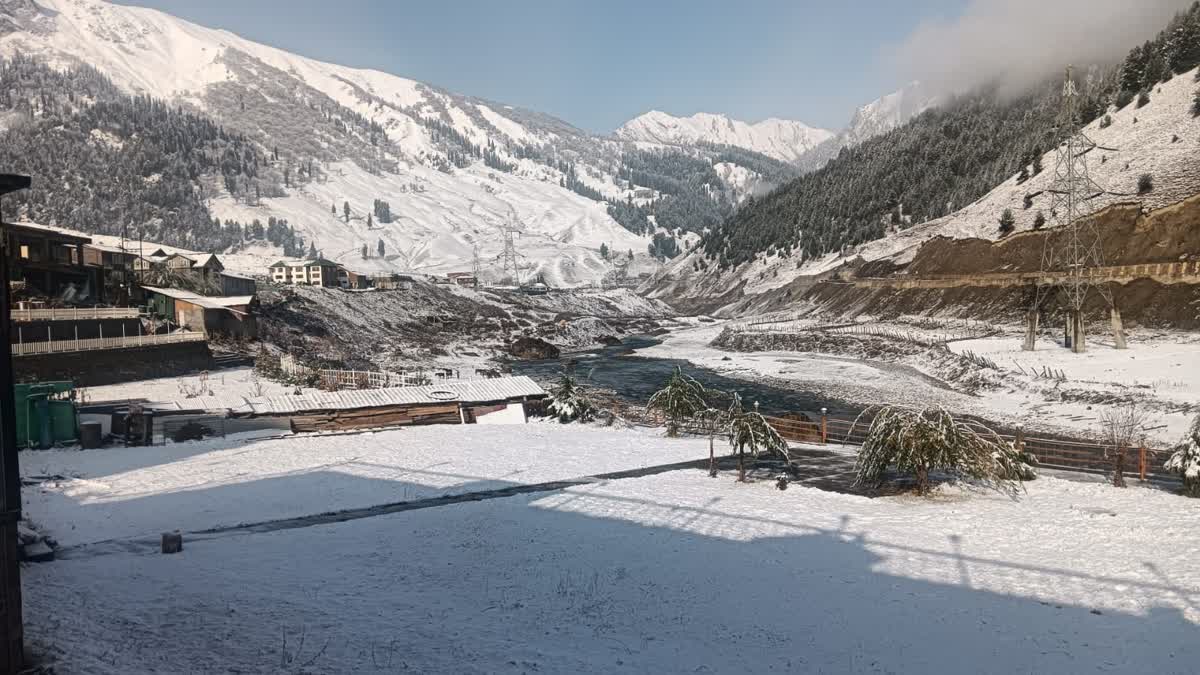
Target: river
{"points": [[637, 377]]}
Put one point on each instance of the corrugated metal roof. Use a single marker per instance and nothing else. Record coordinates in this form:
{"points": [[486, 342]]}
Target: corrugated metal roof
{"points": [[469, 391]]}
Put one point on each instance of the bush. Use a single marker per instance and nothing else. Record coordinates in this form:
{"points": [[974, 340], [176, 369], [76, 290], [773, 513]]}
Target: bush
{"points": [[1106, 122], [1039, 221], [1145, 183], [569, 403], [1185, 461], [920, 442], [1196, 102], [1143, 98]]}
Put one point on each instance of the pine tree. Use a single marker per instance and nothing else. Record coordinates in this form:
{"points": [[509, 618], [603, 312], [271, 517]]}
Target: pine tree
{"points": [[364, 251], [369, 221], [1007, 221], [680, 399], [1196, 102], [312, 250], [380, 247], [346, 210], [1039, 220], [333, 209], [604, 252], [1145, 183]]}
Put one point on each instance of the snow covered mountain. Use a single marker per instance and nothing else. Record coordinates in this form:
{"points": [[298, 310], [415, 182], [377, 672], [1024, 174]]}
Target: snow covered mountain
{"points": [[784, 140], [374, 170], [886, 113]]}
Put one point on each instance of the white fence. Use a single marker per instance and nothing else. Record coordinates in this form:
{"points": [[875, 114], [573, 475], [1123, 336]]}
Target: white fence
{"points": [[94, 344], [71, 313], [333, 380]]}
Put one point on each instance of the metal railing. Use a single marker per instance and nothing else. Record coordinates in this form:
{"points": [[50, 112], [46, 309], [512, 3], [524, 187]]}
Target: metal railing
{"points": [[72, 313], [96, 344]]}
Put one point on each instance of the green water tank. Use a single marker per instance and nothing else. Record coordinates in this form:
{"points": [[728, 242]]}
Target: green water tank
{"points": [[45, 414]]}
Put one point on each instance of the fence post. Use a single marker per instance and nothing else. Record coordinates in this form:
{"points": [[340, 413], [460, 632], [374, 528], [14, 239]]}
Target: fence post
{"points": [[1142, 461], [824, 425], [1020, 441]]}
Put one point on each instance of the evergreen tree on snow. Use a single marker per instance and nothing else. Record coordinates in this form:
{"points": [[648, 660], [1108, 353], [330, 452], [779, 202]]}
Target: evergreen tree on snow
{"points": [[364, 251], [346, 210], [380, 247], [1185, 461]]}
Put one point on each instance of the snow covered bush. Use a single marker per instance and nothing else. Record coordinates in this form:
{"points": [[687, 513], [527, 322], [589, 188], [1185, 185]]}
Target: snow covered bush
{"points": [[1015, 464], [569, 403], [921, 442], [1185, 461], [681, 399], [750, 430]]}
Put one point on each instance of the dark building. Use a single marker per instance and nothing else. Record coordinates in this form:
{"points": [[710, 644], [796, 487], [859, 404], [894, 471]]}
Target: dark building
{"points": [[51, 262]]}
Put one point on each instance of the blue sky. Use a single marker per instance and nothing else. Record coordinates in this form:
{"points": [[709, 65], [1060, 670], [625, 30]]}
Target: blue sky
{"points": [[597, 63]]}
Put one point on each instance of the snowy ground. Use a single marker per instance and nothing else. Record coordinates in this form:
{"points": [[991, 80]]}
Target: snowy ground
{"points": [[232, 384], [1164, 370], [675, 572], [121, 493]]}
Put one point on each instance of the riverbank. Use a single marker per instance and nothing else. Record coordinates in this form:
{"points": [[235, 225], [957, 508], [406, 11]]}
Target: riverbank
{"points": [[1011, 397]]}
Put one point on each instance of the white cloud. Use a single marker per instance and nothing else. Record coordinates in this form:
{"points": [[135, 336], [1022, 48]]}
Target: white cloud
{"points": [[1018, 42]]}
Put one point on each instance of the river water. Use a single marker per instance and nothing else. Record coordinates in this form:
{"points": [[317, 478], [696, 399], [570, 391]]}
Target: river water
{"points": [[637, 377]]}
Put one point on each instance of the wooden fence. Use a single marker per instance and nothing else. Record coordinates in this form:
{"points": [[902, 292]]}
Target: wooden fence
{"points": [[95, 344], [1142, 462], [74, 313], [1071, 455]]}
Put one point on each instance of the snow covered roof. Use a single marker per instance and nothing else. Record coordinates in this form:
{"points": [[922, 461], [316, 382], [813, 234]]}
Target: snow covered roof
{"points": [[310, 262], [66, 234], [206, 301], [207, 259], [111, 249], [467, 391]]}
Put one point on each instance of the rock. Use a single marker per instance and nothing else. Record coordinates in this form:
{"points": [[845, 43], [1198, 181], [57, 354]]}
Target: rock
{"points": [[531, 348], [609, 340], [26, 535], [172, 542]]}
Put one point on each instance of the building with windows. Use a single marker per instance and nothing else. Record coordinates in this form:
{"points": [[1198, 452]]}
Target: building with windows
{"points": [[311, 272], [51, 261]]}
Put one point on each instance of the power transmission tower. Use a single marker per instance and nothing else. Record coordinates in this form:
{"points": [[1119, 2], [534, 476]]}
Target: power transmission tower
{"points": [[1070, 260], [475, 267], [509, 256]]}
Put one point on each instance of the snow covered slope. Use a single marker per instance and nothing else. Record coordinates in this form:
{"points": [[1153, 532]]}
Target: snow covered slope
{"points": [[886, 113], [785, 140], [1157, 139], [453, 169]]}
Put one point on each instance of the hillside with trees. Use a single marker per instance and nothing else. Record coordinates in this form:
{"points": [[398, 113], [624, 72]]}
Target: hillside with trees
{"points": [[940, 161]]}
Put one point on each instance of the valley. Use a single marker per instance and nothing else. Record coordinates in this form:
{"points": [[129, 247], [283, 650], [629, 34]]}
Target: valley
{"points": [[337, 368]]}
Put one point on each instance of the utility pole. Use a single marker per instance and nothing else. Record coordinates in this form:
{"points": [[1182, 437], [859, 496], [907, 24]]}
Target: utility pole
{"points": [[1071, 253], [12, 651]]}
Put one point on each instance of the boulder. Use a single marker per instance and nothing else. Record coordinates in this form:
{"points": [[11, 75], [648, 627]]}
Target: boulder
{"points": [[531, 348]]}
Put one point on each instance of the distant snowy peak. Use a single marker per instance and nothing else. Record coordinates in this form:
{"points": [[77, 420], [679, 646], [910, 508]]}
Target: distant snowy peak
{"points": [[785, 140], [887, 112]]}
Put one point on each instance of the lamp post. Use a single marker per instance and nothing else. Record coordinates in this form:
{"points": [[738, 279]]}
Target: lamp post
{"points": [[11, 622]]}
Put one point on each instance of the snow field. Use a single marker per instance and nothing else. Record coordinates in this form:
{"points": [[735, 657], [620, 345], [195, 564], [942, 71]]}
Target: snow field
{"points": [[122, 493], [669, 573]]}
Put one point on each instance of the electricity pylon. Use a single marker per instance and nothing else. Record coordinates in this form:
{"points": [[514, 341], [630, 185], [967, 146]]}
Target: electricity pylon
{"points": [[1070, 262], [509, 257]]}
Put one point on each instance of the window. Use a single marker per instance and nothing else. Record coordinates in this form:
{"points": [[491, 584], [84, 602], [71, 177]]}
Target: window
{"points": [[25, 251]]}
